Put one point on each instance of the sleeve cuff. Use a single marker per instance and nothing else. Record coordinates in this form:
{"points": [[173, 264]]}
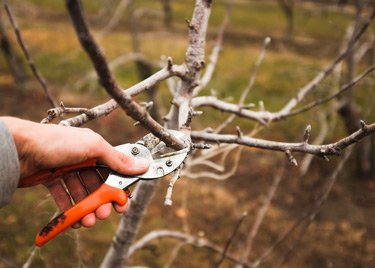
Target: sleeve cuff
{"points": [[9, 165]]}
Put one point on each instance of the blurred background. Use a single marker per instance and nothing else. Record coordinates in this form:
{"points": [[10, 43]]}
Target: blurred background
{"points": [[137, 37]]}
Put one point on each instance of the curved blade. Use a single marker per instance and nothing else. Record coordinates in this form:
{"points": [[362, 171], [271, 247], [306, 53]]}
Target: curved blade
{"points": [[159, 167]]}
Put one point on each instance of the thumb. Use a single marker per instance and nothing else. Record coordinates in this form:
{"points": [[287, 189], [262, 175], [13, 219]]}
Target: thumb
{"points": [[125, 164]]}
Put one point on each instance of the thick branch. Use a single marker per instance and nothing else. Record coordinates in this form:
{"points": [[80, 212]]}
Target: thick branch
{"points": [[215, 51], [118, 253], [319, 150], [194, 61], [109, 83]]}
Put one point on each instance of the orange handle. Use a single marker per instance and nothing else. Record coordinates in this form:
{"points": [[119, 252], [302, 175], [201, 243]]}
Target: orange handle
{"points": [[104, 194], [48, 174]]}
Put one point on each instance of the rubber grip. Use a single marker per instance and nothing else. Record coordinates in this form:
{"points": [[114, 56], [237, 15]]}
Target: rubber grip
{"points": [[104, 194], [49, 174]]}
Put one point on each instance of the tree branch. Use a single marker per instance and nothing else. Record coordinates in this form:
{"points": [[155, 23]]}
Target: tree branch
{"points": [[264, 117], [109, 83], [346, 87], [194, 62], [318, 205], [328, 70], [31, 63], [319, 150], [168, 196], [261, 213], [235, 230], [106, 108], [215, 51], [189, 239], [119, 252], [214, 102]]}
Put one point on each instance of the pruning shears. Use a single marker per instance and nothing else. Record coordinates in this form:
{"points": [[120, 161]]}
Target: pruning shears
{"points": [[115, 188]]}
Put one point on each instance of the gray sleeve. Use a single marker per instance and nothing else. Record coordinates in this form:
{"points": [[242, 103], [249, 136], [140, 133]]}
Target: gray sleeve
{"points": [[9, 165]]}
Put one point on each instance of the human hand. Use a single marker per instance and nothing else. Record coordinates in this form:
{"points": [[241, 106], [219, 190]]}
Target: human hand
{"points": [[41, 146]]}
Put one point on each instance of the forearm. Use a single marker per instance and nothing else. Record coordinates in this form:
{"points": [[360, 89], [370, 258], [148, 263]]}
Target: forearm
{"points": [[9, 163]]}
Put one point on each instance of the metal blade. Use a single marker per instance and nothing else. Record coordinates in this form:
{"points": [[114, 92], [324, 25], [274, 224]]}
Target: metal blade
{"points": [[160, 164]]}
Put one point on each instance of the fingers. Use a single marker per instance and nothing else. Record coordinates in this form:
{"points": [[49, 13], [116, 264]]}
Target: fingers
{"points": [[79, 186], [60, 195], [120, 209]]}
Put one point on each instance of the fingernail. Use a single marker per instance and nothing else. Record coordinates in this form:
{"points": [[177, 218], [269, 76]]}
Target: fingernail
{"points": [[141, 163]]}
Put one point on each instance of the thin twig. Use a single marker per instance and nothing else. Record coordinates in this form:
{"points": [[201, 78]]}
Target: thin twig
{"points": [[309, 215], [31, 63], [264, 117], [58, 111], [318, 140], [343, 89], [261, 213], [325, 72], [213, 175], [319, 203], [188, 239], [249, 86], [8, 262], [30, 259], [115, 19], [168, 197], [235, 230]]}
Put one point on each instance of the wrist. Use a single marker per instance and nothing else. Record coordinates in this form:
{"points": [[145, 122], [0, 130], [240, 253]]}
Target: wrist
{"points": [[21, 131]]}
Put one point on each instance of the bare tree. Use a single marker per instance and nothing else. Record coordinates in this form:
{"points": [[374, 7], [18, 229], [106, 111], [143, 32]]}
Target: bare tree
{"points": [[348, 109], [193, 76], [287, 7], [14, 61]]}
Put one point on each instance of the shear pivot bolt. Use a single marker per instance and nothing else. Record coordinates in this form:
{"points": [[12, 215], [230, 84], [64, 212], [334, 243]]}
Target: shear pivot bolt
{"points": [[169, 163], [135, 151]]}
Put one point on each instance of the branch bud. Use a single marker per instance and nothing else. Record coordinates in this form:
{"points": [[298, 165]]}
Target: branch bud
{"points": [[363, 125], [248, 106], [261, 106], [170, 63], [197, 113], [149, 105], [306, 134], [291, 157], [267, 40], [239, 133], [189, 24]]}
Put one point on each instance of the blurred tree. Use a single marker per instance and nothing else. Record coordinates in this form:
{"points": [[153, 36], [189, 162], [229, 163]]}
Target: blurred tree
{"points": [[168, 14], [348, 108], [14, 61], [288, 8]]}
